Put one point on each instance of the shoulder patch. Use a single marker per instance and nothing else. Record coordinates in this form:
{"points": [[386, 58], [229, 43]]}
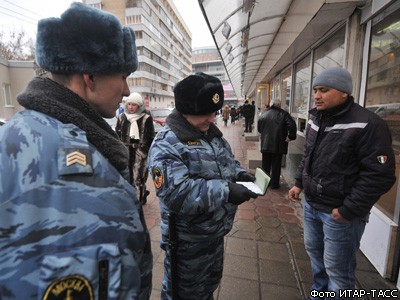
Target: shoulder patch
{"points": [[75, 287], [157, 177]]}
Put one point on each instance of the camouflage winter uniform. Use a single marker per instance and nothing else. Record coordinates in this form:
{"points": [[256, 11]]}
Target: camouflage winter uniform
{"points": [[70, 224], [191, 172]]}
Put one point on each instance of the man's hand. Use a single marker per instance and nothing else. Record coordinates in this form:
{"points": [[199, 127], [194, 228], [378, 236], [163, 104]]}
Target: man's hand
{"points": [[239, 193], [338, 218], [294, 194], [246, 176]]}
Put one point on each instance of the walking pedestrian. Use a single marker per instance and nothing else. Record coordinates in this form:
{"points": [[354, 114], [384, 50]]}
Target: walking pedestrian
{"points": [[71, 225], [194, 173], [233, 115], [226, 114], [277, 129], [348, 163], [136, 130]]}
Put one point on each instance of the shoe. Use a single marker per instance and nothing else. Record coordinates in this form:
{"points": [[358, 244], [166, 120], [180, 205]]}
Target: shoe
{"points": [[275, 187]]}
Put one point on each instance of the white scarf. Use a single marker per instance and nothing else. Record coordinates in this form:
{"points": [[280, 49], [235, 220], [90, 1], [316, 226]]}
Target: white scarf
{"points": [[134, 129]]}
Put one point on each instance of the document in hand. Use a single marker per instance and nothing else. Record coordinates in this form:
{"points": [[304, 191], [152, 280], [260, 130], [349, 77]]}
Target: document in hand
{"points": [[259, 186]]}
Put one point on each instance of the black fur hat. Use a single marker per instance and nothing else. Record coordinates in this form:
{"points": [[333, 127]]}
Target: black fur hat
{"points": [[199, 94], [85, 40]]}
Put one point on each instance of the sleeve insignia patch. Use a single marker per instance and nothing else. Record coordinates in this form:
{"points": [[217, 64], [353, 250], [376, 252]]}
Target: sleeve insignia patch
{"points": [[73, 287], [193, 143], [382, 159], [157, 177]]}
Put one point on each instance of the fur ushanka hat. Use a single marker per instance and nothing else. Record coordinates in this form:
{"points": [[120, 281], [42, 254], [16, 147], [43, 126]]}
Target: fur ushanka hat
{"points": [[85, 40], [199, 94]]}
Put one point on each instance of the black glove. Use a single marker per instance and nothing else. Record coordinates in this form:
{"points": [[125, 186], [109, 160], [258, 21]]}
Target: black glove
{"points": [[239, 193], [245, 176]]}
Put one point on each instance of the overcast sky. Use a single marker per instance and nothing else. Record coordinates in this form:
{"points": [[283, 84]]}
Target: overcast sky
{"points": [[17, 15]]}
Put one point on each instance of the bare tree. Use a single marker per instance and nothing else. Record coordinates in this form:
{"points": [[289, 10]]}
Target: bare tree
{"points": [[16, 46]]}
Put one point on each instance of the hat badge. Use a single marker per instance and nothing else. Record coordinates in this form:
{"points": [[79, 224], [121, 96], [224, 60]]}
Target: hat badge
{"points": [[215, 98]]}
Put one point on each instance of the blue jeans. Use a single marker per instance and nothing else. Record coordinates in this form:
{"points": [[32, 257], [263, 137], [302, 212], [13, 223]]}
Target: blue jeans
{"points": [[332, 248]]}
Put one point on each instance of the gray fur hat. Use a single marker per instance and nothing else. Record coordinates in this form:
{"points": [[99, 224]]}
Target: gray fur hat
{"points": [[199, 94], [85, 40], [336, 78]]}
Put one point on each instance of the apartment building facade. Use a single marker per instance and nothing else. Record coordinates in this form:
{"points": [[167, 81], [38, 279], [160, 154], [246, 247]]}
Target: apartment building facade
{"points": [[163, 45]]}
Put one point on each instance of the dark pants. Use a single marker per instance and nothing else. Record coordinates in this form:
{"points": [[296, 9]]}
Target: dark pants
{"points": [[248, 122], [271, 164]]}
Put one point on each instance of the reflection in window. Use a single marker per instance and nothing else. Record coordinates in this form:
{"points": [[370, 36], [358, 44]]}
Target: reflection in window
{"points": [[286, 88], [302, 87], [383, 87], [330, 54]]}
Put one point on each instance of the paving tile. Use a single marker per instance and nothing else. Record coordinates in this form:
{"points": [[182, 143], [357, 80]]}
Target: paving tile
{"points": [[266, 211], [273, 292], [246, 214], [304, 271], [277, 272], [247, 225], [273, 251], [271, 235], [241, 267], [238, 289], [268, 222], [241, 247]]}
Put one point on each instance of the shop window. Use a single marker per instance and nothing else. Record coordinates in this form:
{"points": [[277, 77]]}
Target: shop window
{"points": [[302, 88], [383, 87], [286, 88]]}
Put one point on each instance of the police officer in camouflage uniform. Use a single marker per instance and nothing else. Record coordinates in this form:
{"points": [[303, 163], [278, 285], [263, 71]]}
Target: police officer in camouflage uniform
{"points": [[194, 173], [71, 226]]}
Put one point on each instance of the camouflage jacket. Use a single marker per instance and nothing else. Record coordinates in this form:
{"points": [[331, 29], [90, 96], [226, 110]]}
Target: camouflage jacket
{"points": [[191, 172], [70, 224]]}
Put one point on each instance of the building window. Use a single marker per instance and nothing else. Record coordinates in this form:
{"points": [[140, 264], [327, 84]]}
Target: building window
{"points": [[383, 87], [7, 94], [286, 88], [302, 90], [331, 53]]}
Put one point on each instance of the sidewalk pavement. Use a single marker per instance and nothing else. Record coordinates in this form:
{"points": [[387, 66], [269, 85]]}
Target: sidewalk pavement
{"points": [[264, 252]]}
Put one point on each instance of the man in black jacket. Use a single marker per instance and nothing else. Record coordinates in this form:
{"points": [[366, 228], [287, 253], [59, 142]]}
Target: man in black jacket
{"points": [[348, 163], [277, 128]]}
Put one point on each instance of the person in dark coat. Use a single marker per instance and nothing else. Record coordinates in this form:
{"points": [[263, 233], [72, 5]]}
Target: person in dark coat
{"points": [[277, 128], [248, 114]]}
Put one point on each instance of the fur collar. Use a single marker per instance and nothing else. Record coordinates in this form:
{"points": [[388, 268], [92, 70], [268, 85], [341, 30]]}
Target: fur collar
{"points": [[187, 132], [48, 97]]}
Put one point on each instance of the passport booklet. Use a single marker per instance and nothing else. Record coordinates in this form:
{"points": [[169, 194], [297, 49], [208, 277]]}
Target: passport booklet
{"points": [[260, 185]]}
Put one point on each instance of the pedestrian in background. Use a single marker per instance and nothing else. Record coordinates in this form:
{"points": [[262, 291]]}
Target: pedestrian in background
{"points": [[233, 115], [348, 163], [247, 112], [194, 173], [136, 130], [72, 227], [277, 129], [225, 114]]}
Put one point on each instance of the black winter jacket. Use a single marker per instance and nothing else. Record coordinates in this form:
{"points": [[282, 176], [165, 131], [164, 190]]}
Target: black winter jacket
{"points": [[275, 125], [348, 160]]}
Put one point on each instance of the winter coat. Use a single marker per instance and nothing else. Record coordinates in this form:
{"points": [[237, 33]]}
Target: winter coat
{"points": [[275, 125], [67, 213], [226, 112], [348, 160], [191, 172], [138, 149]]}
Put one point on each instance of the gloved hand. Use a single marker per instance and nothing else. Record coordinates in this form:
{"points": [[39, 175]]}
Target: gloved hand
{"points": [[245, 176], [239, 193]]}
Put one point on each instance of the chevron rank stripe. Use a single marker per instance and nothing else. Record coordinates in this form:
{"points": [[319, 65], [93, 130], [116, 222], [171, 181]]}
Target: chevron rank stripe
{"points": [[76, 157]]}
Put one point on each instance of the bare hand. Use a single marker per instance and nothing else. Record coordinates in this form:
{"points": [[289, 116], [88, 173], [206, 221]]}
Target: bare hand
{"points": [[294, 194], [338, 218]]}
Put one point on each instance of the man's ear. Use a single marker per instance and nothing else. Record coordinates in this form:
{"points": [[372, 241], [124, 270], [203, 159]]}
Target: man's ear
{"points": [[89, 80]]}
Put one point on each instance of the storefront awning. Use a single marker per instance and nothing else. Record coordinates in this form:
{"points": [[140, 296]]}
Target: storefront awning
{"points": [[257, 38]]}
